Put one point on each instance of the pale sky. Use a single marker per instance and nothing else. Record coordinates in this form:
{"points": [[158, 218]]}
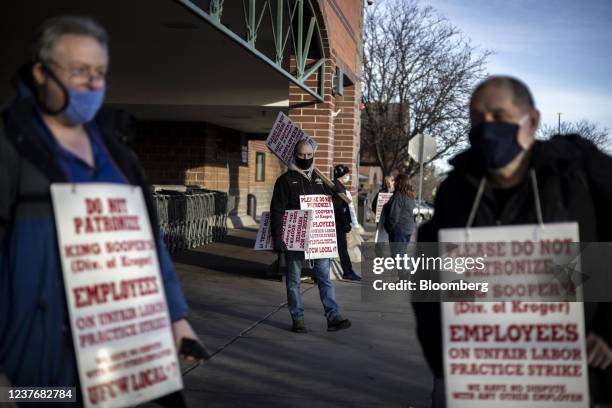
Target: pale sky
{"points": [[562, 49]]}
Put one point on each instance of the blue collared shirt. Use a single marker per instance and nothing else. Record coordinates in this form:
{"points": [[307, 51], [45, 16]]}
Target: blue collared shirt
{"points": [[105, 170], [76, 169]]}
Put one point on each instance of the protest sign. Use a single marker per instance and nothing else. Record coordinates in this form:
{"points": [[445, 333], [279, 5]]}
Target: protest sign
{"points": [[381, 233], [263, 241], [283, 137], [322, 241], [383, 198], [296, 227], [118, 313], [515, 353], [281, 141]]}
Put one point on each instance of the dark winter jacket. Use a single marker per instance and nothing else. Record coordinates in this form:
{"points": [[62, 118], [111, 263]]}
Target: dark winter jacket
{"points": [[286, 196], [343, 217], [399, 217], [573, 179], [35, 341]]}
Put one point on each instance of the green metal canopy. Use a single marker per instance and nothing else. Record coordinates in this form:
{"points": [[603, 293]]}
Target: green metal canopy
{"points": [[284, 18]]}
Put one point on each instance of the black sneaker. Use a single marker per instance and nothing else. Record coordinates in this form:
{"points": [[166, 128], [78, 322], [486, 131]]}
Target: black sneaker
{"points": [[338, 323], [351, 276], [299, 327]]}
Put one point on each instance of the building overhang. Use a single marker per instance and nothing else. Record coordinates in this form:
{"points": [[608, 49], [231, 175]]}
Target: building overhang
{"points": [[166, 62]]}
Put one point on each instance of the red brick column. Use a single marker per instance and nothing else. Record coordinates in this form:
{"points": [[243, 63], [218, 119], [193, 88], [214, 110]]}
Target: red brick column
{"points": [[314, 117], [346, 138]]}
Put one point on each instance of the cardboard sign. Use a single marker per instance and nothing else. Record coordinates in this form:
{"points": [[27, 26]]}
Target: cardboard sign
{"points": [[120, 323], [296, 227], [283, 137], [322, 241], [381, 233], [263, 241], [352, 212], [383, 198], [515, 353]]}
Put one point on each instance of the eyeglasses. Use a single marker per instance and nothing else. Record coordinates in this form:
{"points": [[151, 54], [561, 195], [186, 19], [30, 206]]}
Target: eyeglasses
{"points": [[83, 73]]}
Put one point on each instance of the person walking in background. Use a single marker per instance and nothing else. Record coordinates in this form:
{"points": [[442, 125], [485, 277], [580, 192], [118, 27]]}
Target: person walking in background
{"points": [[399, 218], [343, 223], [300, 179]]}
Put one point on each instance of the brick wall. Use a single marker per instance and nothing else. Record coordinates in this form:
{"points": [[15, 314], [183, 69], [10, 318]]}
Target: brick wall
{"points": [[337, 137], [343, 20], [315, 118], [208, 156], [347, 125]]}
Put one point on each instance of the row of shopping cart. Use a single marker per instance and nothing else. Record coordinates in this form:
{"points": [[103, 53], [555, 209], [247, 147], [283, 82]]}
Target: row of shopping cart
{"points": [[192, 217]]}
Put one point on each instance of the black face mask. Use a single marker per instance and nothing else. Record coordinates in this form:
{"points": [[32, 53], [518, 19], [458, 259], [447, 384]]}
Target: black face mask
{"points": [[304, 164], [495, 143]]}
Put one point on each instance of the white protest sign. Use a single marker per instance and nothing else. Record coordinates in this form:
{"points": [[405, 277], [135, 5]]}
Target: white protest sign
{"points": [[518, 353], [352, 211], [283, 137], [263, 241], [383, 198], [381, 233], [322, 241], [296, 227], [118, 313]]}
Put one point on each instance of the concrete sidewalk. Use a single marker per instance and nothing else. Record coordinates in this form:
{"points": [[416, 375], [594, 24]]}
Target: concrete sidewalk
{"points": [[259, 362]]}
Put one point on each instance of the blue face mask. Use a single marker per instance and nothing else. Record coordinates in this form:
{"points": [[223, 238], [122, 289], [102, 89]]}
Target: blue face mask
{"points": [[496, 143], [83, 105]]}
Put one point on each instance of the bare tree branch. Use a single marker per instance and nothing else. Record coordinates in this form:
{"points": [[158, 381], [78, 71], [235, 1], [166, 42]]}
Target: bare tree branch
{"points": [[418, 75], [600, 136]]}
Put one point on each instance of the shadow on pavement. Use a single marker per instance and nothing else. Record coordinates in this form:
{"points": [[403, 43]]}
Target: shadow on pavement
{"points": [[243, 242], [223, 264]]}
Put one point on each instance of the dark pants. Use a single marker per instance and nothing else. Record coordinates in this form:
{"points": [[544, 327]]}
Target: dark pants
{"points": [[399, 235], [599, 383], [398, 242], [345, 259]]}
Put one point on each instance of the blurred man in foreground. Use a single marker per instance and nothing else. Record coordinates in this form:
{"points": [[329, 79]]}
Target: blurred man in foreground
{"points": [[56, 131], [514, 180]]}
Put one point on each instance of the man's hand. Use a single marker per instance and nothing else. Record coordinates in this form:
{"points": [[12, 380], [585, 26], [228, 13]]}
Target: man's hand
{"points": [[598, 351], [279, 246], [182, 330]]}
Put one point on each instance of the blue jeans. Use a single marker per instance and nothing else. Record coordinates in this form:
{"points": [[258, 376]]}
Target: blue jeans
{"points": [[327, 292]]}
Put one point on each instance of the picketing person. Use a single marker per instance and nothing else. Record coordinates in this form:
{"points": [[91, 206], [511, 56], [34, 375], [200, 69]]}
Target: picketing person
{"points": [[301, 179], [56, 131], [515, 179], [344, 221]]}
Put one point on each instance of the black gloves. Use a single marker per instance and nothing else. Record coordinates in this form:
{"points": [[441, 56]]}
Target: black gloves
{"points": [[279, 246]]}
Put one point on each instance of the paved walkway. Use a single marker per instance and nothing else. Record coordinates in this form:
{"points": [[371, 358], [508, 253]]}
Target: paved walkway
{"points": [[259, 362]]}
